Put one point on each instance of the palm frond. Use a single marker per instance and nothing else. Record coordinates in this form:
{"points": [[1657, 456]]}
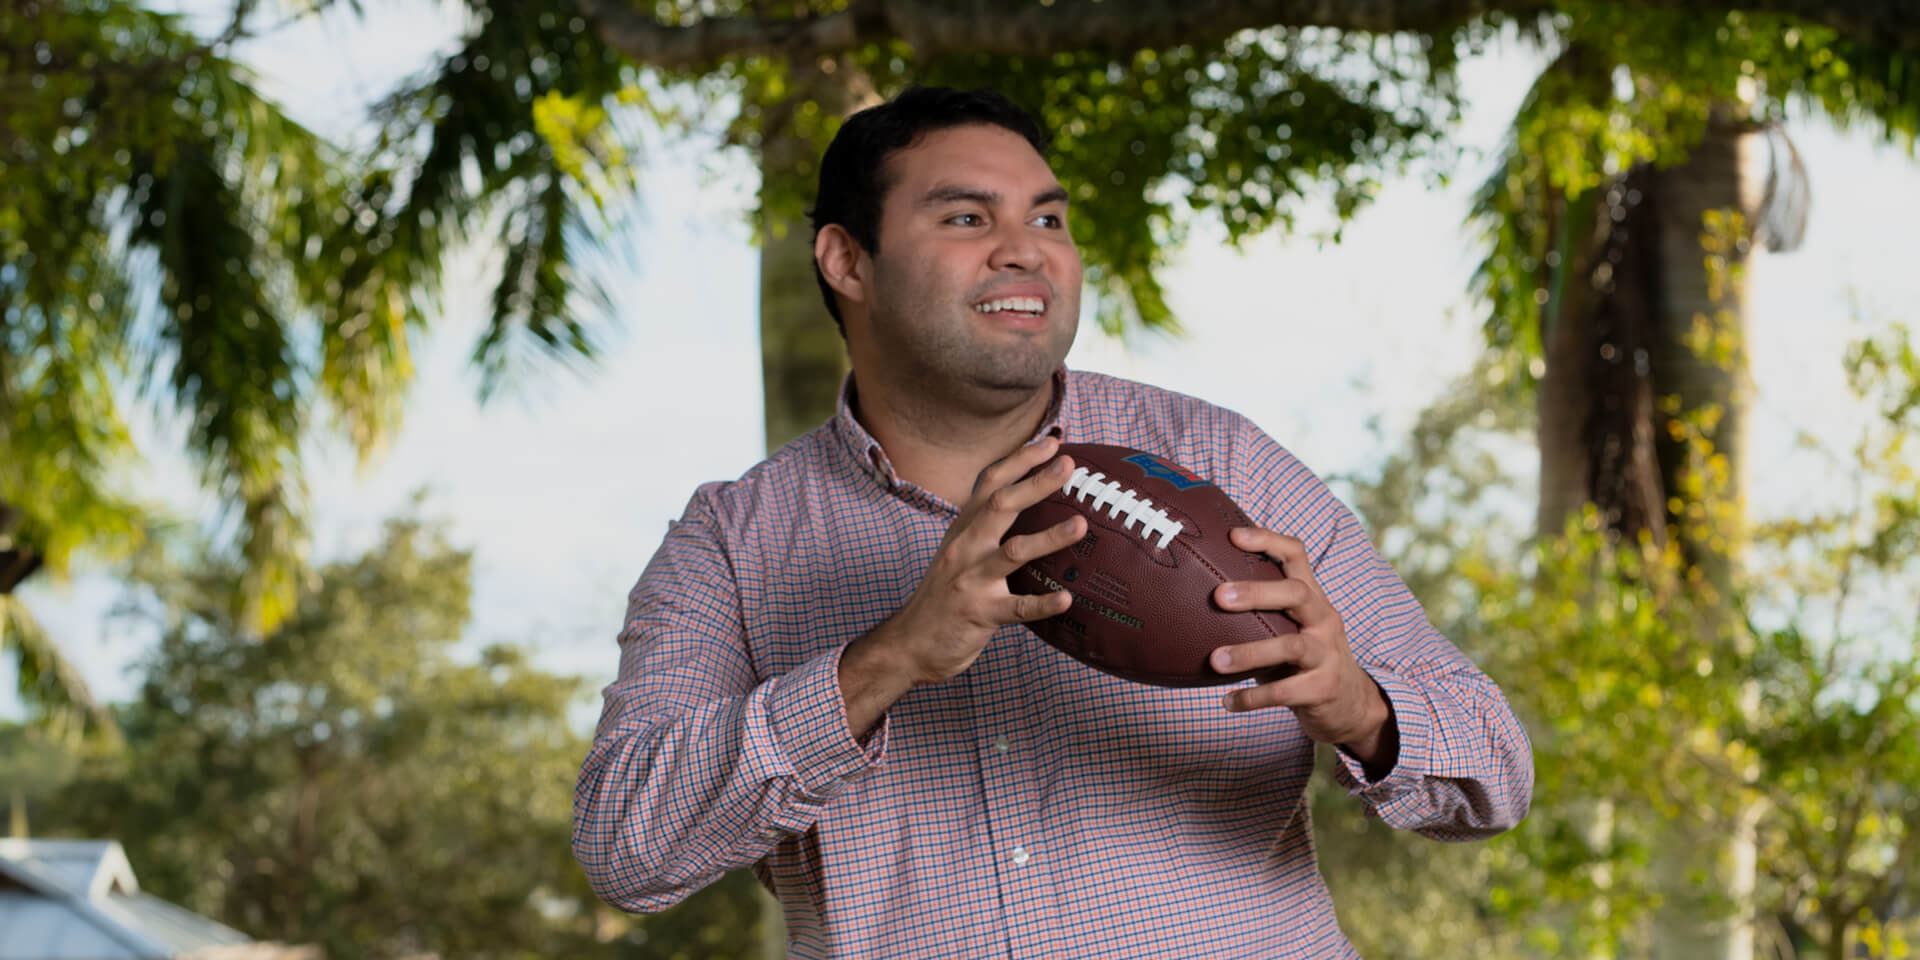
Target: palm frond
{"points": [[463, 154], [157, 197], [64, 300], [535, 300], [236, 373], [48, 683]]}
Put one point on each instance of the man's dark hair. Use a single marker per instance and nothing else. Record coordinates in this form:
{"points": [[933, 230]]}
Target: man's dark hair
{"points": [[853, 175]]}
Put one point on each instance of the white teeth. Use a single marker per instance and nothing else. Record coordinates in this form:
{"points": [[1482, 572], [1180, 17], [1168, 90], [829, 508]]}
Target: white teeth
{"points": [[1024, 304]]}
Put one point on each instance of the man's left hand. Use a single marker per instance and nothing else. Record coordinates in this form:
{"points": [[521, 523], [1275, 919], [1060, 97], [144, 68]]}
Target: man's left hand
{"points": [[1334, 699]]}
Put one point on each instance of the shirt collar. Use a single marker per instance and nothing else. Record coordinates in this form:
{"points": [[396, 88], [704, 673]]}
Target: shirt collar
{"points": [[869, 457]]}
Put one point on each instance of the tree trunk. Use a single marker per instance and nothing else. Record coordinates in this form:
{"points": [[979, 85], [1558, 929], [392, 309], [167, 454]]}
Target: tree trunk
{"points": [[1700, 360], [802, 358], [1839, 932], [1561, 397], [802, 355], [1704, 292], [1623, 365]]}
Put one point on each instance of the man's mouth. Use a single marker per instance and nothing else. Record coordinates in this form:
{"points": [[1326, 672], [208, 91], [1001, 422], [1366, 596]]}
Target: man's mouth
{"points": [[1030, 305]]}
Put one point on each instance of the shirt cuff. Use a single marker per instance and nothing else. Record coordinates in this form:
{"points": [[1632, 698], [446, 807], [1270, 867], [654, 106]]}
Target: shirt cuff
{"points": [[1414, 722], [807, 714]]}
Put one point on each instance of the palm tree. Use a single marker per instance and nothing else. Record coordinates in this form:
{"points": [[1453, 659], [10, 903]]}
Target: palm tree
{"points": [[169, 235]]}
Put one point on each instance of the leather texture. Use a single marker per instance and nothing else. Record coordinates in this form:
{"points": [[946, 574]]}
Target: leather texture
{"points": [[1143, 612]]}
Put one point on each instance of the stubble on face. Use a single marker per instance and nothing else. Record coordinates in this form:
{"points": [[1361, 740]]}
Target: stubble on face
{"points": [[926, 326], [927, 277]]}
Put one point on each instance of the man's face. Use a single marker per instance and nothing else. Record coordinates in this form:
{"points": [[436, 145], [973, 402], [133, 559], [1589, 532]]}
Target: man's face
{"points": [[976, 285]]}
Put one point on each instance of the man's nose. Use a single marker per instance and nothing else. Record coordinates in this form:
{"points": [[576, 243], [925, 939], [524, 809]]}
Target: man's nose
{"points": [[1015, 247]]}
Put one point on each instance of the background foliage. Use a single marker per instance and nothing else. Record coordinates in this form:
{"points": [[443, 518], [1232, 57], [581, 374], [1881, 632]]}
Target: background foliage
{"points": [[314, 756]]}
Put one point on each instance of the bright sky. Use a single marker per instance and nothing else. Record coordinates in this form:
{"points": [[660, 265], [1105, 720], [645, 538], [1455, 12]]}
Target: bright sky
{"points": [[564, 494]]}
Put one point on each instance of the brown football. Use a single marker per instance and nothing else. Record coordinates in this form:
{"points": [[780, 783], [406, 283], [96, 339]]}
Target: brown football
{"points": [[1143, 577]]}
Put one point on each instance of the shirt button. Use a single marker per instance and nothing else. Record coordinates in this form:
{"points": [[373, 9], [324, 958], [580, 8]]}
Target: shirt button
{"points": [[1020, 856], [1000, 745]]}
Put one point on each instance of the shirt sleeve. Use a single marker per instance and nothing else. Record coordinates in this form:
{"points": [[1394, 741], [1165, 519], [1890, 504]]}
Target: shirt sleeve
{"points": [[697, 766], [1465, 767]]}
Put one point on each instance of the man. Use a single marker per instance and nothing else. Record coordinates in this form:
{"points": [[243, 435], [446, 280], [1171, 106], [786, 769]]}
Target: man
{"points": [[823, 675]]}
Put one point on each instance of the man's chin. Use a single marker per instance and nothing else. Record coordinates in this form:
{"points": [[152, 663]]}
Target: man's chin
{"points": [[1025, 376]]}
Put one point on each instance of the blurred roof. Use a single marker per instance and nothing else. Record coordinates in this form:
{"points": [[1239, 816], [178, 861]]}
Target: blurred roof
{"points": [[78, 900]]}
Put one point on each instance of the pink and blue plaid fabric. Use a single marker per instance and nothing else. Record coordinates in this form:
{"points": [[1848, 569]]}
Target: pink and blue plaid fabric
{"points": [[1030, 807]]}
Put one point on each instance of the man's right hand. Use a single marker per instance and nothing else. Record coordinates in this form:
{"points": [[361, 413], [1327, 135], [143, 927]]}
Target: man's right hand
{"points": [[963, 598]]}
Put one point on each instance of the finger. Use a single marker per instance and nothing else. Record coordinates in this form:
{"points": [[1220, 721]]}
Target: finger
{"points": [[1289, 552], [1017, 552], [1002, 472], [1049, 478], [1007, 502], [1287, 594], [1293, 649], [1026, 608], [1309, 688]]}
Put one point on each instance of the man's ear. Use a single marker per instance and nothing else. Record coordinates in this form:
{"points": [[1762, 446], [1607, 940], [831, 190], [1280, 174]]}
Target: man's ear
{"points": [[843, 262]]}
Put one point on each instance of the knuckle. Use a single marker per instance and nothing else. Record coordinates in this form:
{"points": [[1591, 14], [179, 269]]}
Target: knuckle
{"points": [[1034, 487], [984, 479], [955, 592], [1029, 607], [1300, 649], [993, 478]]}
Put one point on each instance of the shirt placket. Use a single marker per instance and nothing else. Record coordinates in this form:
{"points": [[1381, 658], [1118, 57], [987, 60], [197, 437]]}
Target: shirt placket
{"points": [[1025, 863]]}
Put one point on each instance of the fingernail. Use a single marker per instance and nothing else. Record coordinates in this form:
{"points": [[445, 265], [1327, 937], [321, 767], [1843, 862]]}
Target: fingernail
{"points": [[1227, 702], [1222, 659], [1230, 595]]}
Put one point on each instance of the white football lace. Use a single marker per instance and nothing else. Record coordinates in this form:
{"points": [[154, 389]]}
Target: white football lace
{"points": [[1119, 500]]}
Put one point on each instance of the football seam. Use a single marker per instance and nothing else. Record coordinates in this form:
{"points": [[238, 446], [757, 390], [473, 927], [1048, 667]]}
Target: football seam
{"points": [[1152, 519], [1106, 522]]}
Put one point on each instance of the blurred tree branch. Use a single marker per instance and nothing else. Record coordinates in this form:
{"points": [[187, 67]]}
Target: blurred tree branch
{"points": [[934, 28]]}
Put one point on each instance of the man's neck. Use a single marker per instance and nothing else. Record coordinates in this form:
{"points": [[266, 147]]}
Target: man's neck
{"points": [[942, 446]]}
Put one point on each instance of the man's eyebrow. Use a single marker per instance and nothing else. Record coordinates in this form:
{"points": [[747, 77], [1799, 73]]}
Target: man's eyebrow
{"points": [[959, 194], [986, 198], [1055, 195]]}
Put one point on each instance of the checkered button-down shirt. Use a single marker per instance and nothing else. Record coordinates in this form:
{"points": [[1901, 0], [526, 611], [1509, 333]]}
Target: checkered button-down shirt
{"points": [[1030, 807]]}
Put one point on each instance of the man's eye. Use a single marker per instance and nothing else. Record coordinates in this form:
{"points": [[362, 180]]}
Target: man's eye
{"points": [[1051, 221], [965, 219]]}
